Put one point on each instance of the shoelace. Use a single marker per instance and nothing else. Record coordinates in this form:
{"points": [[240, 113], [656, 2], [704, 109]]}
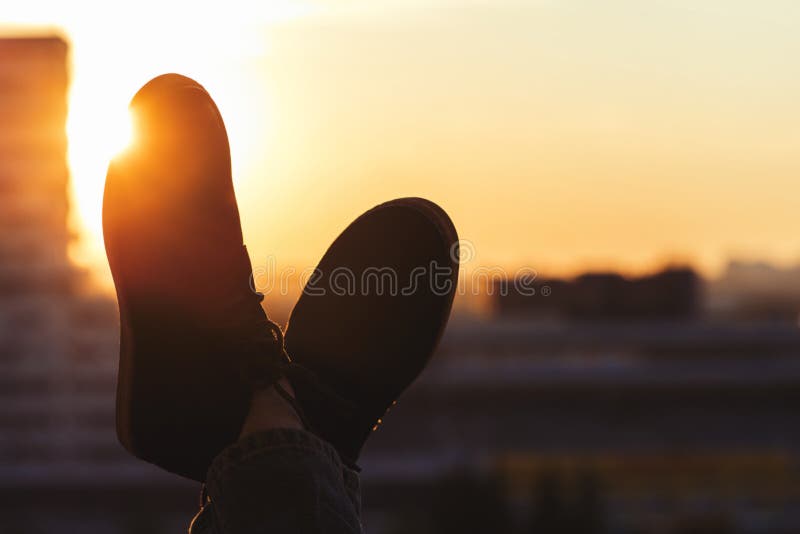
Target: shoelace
{"points": [[261, 370]]}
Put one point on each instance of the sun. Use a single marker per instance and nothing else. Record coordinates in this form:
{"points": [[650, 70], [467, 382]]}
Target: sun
{"points": [[97, 135], [110, 62], [99, 126], [97, 130]]}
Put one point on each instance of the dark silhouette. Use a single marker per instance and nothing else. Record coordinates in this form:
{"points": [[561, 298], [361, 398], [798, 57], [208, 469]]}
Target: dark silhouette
{"points": [[206, 386]]}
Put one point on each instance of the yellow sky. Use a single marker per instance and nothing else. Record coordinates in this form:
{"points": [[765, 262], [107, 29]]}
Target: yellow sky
{"points": [[559, 135]]}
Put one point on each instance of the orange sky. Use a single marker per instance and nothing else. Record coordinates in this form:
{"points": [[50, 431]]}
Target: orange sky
{"points": [[557, 134]]}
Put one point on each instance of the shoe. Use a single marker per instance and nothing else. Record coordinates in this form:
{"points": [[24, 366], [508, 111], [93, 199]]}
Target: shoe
{"points": [[370, 318], [194, 338]]}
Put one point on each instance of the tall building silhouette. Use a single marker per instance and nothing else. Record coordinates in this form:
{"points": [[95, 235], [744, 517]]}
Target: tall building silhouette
{"points": [[58, 343], [33, 167], [35, 274]]}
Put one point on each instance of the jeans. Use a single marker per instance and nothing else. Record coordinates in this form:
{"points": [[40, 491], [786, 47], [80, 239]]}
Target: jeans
{"points": [[281, 481]]}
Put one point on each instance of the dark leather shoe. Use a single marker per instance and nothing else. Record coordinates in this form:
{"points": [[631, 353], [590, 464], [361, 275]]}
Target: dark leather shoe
{"points": [[370, 318], [193, 333]]}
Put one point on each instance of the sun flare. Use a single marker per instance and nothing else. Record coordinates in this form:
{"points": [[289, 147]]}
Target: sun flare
{"points": [[99, 127], [110, 62], [97, 136]]}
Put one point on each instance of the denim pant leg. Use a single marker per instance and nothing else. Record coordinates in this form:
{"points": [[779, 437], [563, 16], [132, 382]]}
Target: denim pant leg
{"points": [[281, 481]]}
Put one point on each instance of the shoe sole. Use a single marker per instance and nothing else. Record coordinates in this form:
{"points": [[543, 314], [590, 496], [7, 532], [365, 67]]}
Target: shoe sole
{"points": [[179, 399], [366, 348]]}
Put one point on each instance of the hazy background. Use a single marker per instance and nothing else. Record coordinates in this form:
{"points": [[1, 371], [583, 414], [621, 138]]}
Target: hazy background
{"points": [[640, 156], [559, 135]]}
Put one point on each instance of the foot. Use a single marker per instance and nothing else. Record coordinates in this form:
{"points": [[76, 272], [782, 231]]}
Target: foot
{"points": [[194, 338], [356, 348]]}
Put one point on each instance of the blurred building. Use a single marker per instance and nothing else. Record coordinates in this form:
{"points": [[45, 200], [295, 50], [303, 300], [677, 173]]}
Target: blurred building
{"points": [[673, 293], [61, 468], [33, 168], [749, 291], [647, 426], [597, 404], [35, 274]]}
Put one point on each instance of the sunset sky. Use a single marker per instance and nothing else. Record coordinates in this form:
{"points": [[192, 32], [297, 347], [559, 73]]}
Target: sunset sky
{"points": [[559, 135]]}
